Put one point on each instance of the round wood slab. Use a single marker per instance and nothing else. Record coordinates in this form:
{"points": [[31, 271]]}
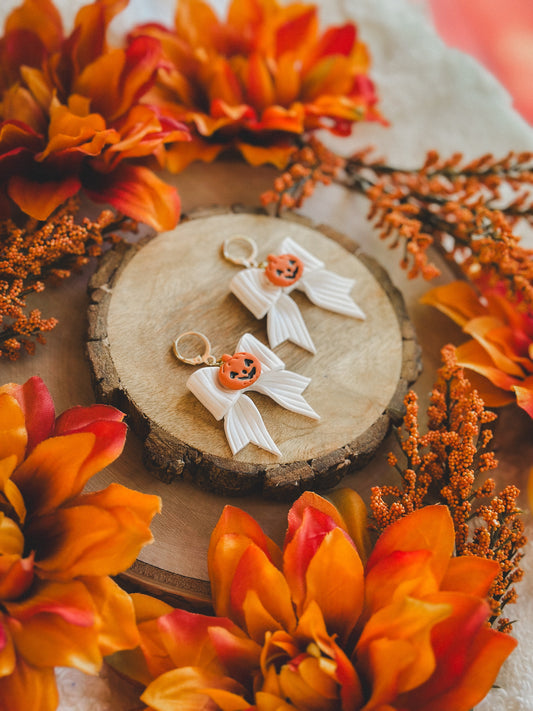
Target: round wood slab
{"points": [[143, 296]]}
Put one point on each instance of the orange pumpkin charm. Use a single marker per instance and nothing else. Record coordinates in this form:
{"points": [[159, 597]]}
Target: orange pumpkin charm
{"points": [[283, 269], [239, 371]]}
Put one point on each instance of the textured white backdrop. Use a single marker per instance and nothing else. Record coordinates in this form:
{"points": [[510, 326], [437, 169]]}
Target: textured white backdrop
{"points": [[434, 98]]}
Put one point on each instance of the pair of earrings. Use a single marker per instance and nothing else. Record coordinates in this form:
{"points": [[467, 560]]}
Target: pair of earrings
{"points": [[264, 289]]}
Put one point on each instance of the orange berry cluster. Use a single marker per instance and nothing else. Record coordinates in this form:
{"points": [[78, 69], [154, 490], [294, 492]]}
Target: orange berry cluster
{"points": [[37, 253], [443, 465], [468, 211], [309, 165]]}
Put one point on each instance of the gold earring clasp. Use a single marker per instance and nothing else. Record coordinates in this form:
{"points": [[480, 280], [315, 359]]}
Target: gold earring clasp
{"points": [[204, 357], [233, 245]]}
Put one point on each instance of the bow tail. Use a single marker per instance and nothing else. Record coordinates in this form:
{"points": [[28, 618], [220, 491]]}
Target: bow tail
{"points": [[286, 387], [243, 424], [332, 292], [285, 323]]}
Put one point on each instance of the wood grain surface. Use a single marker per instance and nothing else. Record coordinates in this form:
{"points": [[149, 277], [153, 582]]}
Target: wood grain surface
{"points": [[145, 295]]}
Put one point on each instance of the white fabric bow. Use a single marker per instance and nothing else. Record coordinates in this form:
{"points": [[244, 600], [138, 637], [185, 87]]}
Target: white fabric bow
{"points": [[284, 319], [242, 421]]}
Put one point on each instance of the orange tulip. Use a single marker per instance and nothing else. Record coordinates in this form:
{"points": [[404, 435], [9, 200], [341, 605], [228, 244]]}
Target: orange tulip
{"points": [[58, 546], [258, 80], [72, 117], [309, 628], [501, 350]]}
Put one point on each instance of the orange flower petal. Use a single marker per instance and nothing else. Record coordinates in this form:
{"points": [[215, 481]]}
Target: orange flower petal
{"points": [[80, 536], [254, 572], [524, 395], [116, 617], [457, 300], [311, 626], [79, 419], [55, 627], [481, 329], [38, 407], [71, 132], [238, 653], [277, 155], [429, 528], [40, 199], [234, 532], [178, 157], [335, 581], [492, 395], [399, 574], [184, 689], [396, 646], [16, 576], [100, 80], [296, 31], [196, 21], [110, 435], [40, 17], [352, 508], [223, 85], [13, 433], [187, 638], [139, 193], [470, 574], [302, 546], [50, 475], [17, 137], [28, 687], [8, 657], [11, 538], [469, 656], [19, 105], [150, 659], [472, 355], [297, 512], [337, 40], [143, 130], [227, 701], [90, 29], [142, 58], [259, 85], [287, 79]]}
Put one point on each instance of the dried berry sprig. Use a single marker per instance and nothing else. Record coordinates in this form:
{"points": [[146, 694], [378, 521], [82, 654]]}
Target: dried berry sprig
{"points": [[467, 210], [444, 465], [310, 165], [37, 254]]}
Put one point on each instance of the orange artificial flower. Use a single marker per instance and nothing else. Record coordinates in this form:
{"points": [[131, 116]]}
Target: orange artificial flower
{"points": [[58, 546], [259, 79], [311, 628], [72, 116], [501, 349]]}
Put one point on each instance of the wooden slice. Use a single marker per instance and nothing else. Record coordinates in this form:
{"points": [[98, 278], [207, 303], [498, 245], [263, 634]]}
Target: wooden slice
{"points": [[143, 296]]}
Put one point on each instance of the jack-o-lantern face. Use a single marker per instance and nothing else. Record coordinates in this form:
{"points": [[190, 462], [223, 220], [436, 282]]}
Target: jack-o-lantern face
{"points": [[283, 269], [239, 370]]}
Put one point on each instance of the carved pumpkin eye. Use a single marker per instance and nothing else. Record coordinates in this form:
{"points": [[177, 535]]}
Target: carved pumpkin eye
{"points": [[239, 370], [283, 269]]}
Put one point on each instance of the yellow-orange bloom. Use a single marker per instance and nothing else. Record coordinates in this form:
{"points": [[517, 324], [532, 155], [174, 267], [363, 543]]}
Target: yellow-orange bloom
{"points": [[72, 116], [501, 349], [311, 628], [58, 546], [259, 79]]}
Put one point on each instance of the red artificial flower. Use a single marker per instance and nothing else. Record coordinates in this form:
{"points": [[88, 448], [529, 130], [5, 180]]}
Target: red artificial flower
{"points": [[501, 348], [259, 79], [73, 116], [311, 628], [58, 546]]}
